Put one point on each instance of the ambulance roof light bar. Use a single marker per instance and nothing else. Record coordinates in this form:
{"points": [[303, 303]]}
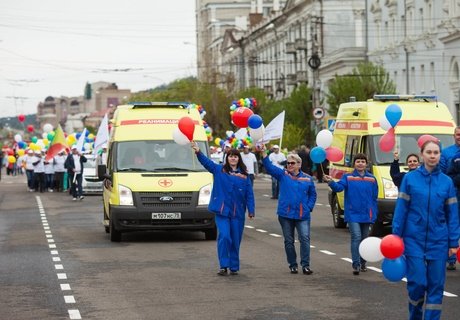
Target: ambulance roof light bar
{"points": [[399, 97], [144, 104]]}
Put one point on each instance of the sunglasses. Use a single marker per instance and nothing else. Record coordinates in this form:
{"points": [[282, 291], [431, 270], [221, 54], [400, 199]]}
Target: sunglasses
{"points": [[291, 163]]}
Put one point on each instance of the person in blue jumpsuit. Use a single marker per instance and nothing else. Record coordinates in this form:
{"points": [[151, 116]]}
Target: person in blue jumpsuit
{"points": [[361, 191], [231, 194], [426, 218], [296, 200], [447, 156], [412, 162]]}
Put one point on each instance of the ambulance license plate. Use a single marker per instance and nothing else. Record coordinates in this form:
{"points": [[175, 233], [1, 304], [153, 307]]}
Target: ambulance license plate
{"points": [[165, 215]]}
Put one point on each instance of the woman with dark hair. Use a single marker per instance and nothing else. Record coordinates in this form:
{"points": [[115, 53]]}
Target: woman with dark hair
{"points": [[426, 218], [412, 161], [231, 195]]}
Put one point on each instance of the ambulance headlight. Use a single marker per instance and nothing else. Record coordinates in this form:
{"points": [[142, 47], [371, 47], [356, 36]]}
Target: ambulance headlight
{"points": [[205, 195], [389, 189], [125, 195]]}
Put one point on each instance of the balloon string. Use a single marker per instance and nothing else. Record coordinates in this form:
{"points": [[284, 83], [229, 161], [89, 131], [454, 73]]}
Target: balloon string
{"points": [[321, 166]]}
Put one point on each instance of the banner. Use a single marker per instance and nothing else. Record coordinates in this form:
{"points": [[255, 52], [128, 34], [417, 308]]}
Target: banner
{"points": [[274, 130], [102, 137], [57, 145], [81, 141]]}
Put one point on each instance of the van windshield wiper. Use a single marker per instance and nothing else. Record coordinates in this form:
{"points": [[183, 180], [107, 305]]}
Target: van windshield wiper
{"points": [[131, 169], [174, 169]]}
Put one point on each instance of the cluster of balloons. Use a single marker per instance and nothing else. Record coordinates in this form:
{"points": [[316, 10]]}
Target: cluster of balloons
{"points": [[243, 117], [324, 150], [234, 141], [390, 249], [388, 122], [183, 134], [199, 107]]}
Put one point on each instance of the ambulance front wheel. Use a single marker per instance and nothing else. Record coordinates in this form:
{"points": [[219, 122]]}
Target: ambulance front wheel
{"points": [[115, 235], [337, 214]]}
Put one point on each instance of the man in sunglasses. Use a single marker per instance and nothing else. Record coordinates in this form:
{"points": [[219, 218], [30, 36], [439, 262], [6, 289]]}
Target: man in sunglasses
{"points": [[297, 197]]}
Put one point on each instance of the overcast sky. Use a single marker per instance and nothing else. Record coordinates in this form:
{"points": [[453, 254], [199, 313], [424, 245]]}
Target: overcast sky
{"points": [[53, 47]]}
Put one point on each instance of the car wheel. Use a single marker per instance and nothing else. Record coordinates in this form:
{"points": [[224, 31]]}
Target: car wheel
{"points": [[211, 234], [107, 228], [115, 235], [338, 221]]}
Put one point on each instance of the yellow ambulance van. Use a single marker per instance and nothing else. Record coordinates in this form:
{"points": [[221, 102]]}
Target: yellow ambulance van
{"points": [[150, 181], [357, 129]]}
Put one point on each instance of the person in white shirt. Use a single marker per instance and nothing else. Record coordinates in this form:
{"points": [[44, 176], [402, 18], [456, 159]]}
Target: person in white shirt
{"points": [[278, 159], [250, 160], [49, 173], [59, 170], [28, 161], [39, 172]]}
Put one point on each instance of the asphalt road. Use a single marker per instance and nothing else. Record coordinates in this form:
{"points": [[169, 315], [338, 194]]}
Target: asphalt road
{"points": [[56, 262]]}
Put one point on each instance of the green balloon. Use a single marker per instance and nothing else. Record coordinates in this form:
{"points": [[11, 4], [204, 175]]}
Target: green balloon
{"points": [[50, 136], [34, 139]]}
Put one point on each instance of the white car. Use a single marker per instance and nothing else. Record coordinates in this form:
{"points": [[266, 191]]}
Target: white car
{"points": [[90, 182]]}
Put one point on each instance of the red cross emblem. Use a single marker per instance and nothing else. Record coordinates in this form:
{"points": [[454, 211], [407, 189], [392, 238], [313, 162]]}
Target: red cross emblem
{"points": [[166, 183]]}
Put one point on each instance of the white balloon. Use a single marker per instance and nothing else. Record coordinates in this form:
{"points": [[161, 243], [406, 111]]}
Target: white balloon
{"points": [[44, 135], [384, 123], [324, 138], [257, 134], [179, 137], [229, 133], [40, 143], [17, 137], [369, 249], [47, 127]]}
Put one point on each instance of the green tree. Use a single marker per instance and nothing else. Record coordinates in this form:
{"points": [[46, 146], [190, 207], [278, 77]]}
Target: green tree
{"points": [[366, 80]]}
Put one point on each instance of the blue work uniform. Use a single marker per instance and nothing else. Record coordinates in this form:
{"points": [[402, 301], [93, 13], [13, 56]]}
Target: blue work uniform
{"points": [[426, 218], [231, 194]]}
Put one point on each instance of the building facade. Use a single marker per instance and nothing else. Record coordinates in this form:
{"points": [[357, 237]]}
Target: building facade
{"points": [[418, 41]]}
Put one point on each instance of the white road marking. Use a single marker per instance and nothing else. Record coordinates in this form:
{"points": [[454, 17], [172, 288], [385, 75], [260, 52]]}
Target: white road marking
{"points": [[74, 314], [54, 252], [249, 227], [62, 276], [50, 240], [312, 246], [69, 299], [327, 252], [65, 286], [261, 230], [46, 228], [49, 235], [58, 266], [320, 204], [47, 231], [56, 259], [275, 235], [375, 269], [52, 246], [450, 295], [347, 260]]}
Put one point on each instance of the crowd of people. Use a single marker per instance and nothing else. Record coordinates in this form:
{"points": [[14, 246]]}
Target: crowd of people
{"points": [[60, 173]]}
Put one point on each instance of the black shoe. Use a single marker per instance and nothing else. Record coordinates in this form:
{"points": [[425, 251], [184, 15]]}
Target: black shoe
{"points": [[363, 268], [307, 270], [274, 198], [293, 270], [233, 273], [451, 266], [222, 272], [356, 271]]}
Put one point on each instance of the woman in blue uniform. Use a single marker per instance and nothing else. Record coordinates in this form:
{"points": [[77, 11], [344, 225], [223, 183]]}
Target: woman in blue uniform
{"points": [[361, 191], [426, 218], [231, 194]]}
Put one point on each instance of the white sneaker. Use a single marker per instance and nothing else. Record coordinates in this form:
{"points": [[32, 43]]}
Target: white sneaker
{"points": [[81, 197], [74, 199], [50, 190]]}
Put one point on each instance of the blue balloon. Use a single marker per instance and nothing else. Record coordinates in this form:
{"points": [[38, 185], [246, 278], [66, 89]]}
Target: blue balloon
{"points": [[317, 154], [394, 269], [78, 135], [255, 121], [87, 133], [393, 114]]}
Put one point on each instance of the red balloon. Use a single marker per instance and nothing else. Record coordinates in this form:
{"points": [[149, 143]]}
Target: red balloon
{"points": [[392, 246], [30, 128], [388, 140], [240, 117], [21, 118], [458, 254], [334, 154], [10, 152], [187, 127], [426, 137]]}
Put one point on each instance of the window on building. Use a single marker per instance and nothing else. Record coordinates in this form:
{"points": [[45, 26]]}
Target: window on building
{"points": [[422, 20], [422, 79], [432, 79], [412, 80]]}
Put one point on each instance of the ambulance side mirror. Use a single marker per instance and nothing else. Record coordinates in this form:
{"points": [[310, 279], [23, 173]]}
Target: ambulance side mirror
{"points": [[102, 172]]}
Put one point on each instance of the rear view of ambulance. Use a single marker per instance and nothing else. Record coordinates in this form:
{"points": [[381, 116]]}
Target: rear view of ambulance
{"points": [[152, 182], [358, 130]]}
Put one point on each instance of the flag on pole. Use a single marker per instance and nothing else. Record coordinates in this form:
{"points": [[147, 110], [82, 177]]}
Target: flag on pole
{"points": [[274, 130], [81, 141], [57, 145], [102, 136]]}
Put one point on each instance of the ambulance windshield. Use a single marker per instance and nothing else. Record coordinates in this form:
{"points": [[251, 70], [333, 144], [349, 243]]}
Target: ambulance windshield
{"points": [[406, 144], [157, 155]]}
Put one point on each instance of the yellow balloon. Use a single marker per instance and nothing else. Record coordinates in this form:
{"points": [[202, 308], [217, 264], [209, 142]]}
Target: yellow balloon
{"points": [[21, 152], [11, 159], [46, 141], [91, 136], [217, 141], [32, 146], [37, 147]]}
